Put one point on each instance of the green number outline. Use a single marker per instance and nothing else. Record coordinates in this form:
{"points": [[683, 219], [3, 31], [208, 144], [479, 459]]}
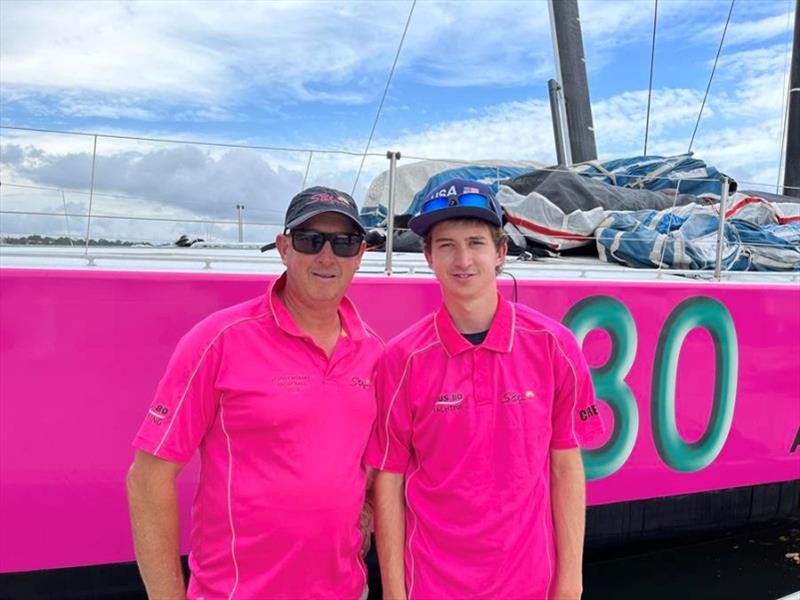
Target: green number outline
{"points": [[705, 312], [610, 315]]}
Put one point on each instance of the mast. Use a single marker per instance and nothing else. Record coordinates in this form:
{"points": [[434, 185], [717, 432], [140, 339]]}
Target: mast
{"points": [[571, 70], [791, 171]]}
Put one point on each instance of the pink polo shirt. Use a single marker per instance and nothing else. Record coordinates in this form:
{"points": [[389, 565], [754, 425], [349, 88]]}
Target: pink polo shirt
{"points": [[281, 431], [471, 428]]}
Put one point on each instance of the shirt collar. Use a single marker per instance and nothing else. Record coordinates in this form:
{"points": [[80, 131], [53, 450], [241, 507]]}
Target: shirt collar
{"points": [[352, 324], [499, 339]]}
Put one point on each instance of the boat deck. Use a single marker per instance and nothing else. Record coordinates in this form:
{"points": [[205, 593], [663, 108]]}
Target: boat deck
{"points": [[248, 259]]}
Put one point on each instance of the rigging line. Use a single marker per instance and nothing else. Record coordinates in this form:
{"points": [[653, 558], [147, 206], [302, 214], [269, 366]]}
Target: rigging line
{"points": [[650, 85], [711, 78], [665, 236], [786, 98], [383, 98]]}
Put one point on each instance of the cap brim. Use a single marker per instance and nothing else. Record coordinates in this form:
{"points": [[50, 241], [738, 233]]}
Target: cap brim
{"points": [[306, 216], [423, 222]]}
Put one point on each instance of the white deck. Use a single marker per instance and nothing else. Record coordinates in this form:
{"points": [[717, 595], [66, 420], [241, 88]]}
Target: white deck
{"points": [[247, 258]]}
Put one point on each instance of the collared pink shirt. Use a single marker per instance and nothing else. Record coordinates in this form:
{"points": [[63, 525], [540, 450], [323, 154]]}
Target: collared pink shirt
{"points": [[471, 428], [281, 431]]}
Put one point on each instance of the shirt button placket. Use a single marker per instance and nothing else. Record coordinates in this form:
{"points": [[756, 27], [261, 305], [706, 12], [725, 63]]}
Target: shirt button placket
{"points": [[479, 383]]}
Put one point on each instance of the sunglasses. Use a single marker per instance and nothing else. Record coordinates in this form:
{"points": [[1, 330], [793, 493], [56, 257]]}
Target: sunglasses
{"points": [[345, 245], [470, 199]]}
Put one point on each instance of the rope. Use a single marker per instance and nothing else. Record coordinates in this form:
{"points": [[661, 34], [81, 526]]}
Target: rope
{"points": [[383, 98], [650, 85], [711, 78]]}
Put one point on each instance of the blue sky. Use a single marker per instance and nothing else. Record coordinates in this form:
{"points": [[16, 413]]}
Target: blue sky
{"points": [[470, 84]]}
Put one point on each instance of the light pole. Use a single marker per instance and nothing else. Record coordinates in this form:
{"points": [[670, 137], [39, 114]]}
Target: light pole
{"points": [[240, 209]]}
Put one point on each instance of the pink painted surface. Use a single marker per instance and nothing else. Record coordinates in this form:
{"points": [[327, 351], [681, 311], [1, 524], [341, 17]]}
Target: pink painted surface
{"points": [[81, 353]]}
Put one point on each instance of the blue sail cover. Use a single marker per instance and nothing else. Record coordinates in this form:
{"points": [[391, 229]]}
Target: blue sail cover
{"points": [[683, 172], [686, 238], [373, 216]]}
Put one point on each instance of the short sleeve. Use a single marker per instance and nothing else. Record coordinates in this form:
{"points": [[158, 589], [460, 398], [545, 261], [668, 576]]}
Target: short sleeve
{"points": [[389, 445], [185, 403], [576, 420]]}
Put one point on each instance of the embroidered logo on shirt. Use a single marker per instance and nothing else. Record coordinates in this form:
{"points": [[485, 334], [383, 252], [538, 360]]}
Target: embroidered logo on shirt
{"points": [[359, 382], [156, 414], [290, 382], [447, 402], [587, 413], [517, 397]]}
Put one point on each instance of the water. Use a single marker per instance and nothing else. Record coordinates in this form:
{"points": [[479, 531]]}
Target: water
{"points": [[750, 563]]}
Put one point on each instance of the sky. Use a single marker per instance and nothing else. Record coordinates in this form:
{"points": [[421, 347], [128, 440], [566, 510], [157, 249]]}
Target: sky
{"points": [[470, 84]]}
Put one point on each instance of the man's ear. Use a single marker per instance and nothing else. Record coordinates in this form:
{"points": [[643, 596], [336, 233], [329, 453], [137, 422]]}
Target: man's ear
{"points": [[282, 244], [360, 255], [428, 257], [502, 251]]}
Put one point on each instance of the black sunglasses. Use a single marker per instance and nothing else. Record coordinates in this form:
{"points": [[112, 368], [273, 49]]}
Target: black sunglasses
{"points": [[345, 245]]}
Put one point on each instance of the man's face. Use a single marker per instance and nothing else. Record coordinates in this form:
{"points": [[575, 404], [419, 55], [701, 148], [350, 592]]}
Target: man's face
{"points": [[321, 277], [464, 258]]}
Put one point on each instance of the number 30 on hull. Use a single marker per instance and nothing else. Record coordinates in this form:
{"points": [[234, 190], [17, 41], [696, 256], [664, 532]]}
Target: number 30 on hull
{"points": [[612, 316]]}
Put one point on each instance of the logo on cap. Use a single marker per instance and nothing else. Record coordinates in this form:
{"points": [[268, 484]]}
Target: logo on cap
{"points": [[444, 192], [329, 198]]}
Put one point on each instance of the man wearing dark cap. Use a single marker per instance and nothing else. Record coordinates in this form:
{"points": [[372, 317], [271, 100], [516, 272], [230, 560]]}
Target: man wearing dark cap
{"points": [[276, 394], [480, 489]]}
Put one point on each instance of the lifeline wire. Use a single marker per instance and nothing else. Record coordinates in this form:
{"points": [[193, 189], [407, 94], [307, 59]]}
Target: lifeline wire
{"points": [[711, 78], [299, 150], [383, 98], [650, 85], [187, 142]]}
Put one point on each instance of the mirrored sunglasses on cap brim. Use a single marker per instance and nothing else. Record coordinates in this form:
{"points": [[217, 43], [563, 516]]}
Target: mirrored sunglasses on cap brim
{"points": [[471, 199]]}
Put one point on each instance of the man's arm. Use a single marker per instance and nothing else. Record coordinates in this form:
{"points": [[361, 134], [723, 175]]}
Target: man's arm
{"points": [[153, 500], [390, 532], [568, 498], [365, 520]]}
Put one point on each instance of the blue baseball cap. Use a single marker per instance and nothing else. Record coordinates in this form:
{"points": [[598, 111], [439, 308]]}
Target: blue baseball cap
{"points": [[457, 199]]}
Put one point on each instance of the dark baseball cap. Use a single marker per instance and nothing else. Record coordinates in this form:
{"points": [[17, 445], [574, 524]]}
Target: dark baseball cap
{"points": [[317, 200], [457, 199]]}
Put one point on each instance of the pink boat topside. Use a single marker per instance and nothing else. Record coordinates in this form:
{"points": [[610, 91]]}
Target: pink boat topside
{"points": [[703, 381]]}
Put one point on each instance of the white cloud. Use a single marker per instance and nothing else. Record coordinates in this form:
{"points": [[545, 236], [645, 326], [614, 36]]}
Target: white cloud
{"points": [[193, 62], [199, 52], [516, 130], [748, 32], [103, 46], [182, 177], [213, 54]]}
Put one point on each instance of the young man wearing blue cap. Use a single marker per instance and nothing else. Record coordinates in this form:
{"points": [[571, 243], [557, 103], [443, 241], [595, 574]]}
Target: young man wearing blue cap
{"points": [[480, 489]]}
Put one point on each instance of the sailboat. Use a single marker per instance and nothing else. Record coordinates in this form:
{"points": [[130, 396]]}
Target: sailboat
{"points": [[697, 378]]}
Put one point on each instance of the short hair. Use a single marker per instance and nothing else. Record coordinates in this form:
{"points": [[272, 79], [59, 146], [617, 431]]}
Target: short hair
{"points": [[498, 235]]}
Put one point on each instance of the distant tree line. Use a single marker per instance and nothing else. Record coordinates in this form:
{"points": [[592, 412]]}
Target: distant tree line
{"points": [[44, 240]]}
